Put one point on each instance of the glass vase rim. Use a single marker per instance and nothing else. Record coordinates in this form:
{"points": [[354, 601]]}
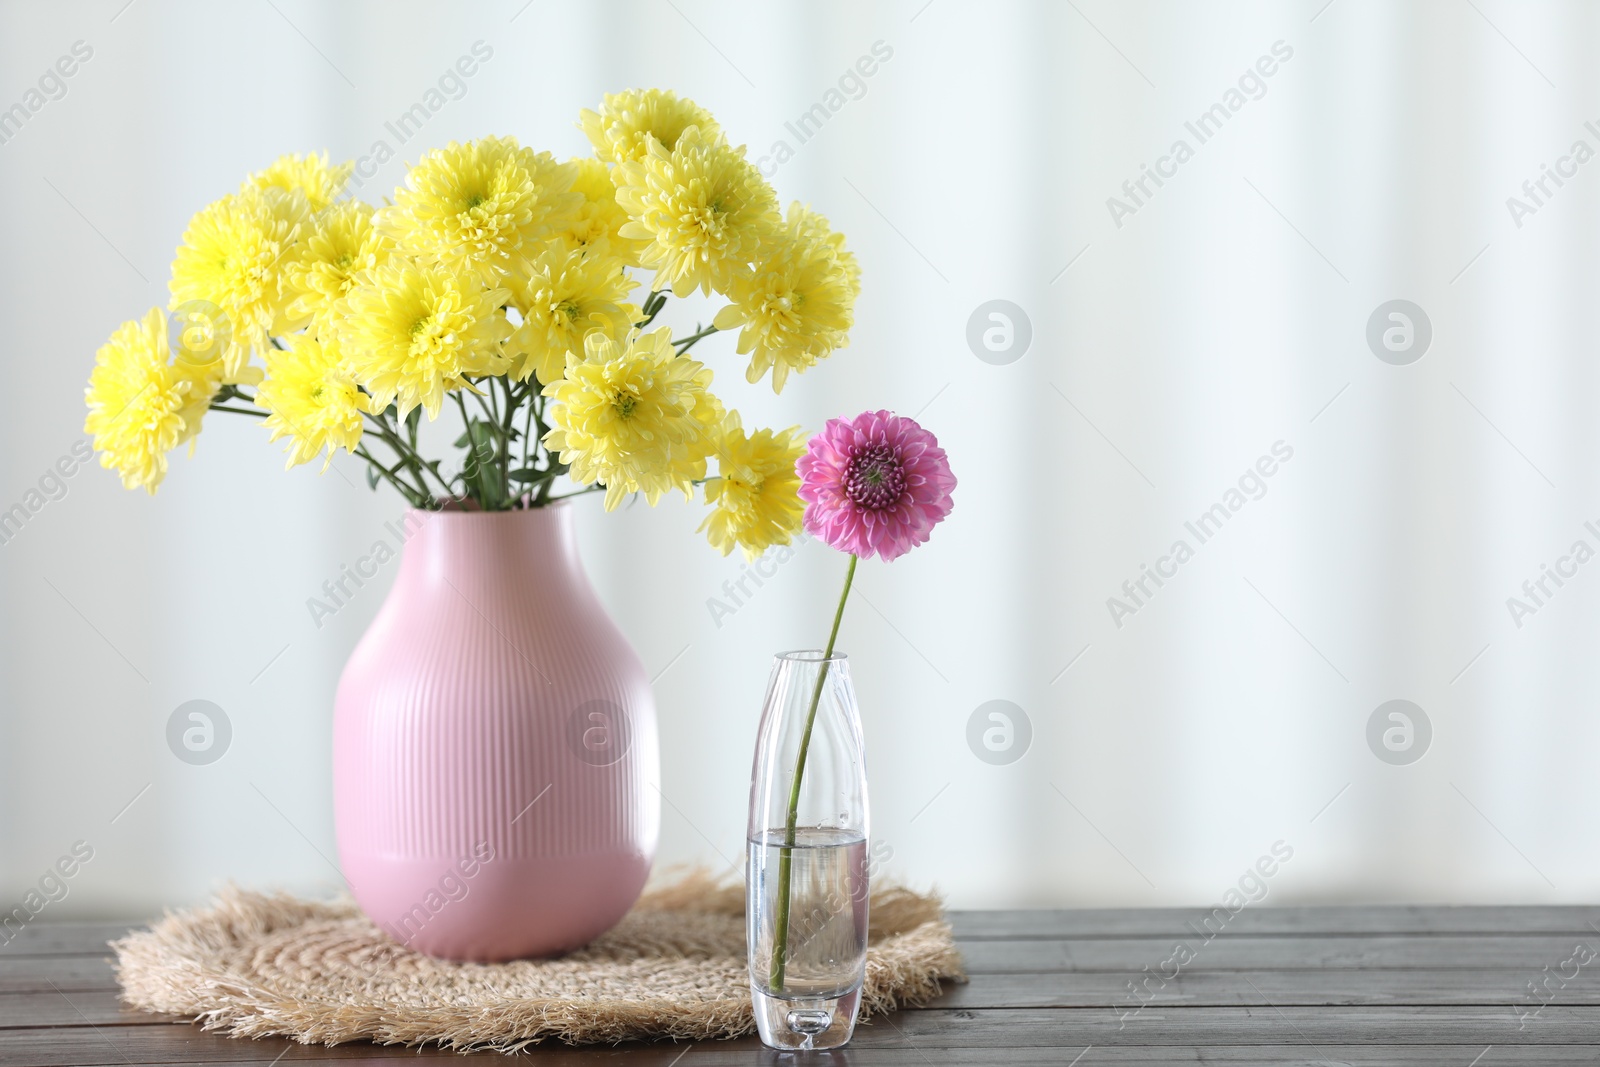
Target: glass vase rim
{"points": [[811, 655]]}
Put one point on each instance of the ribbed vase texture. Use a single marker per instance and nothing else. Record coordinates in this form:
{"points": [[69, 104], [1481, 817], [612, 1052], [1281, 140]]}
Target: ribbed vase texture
{"points": [[495, 754]]}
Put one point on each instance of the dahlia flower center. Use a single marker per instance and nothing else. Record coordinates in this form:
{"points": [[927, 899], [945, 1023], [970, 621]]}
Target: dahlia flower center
{"points": [[625, 403], [875, 478]]}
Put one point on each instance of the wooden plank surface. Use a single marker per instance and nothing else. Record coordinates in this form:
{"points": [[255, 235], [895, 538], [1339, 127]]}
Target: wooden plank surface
{"points": [[1228, 953], [59, 939], [1327, 922], [1496, 990], [737, 1054], [1312, 1031], [41, 973], [1203, 989], [1391, 985]]}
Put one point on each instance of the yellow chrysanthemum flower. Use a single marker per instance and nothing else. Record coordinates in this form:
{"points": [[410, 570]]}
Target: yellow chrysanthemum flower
{"points": [[480, 205], [755, 500], [798, 304], [342, 243], [232, 256], [704, 208], [634, 416], [562, 296], [311, 391], [416, 331], [311, 174], [622, 129], [141, 405], [593, 227]]}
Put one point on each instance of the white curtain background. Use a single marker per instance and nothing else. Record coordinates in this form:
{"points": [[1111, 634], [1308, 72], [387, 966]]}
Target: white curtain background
{"points": [[1227, 312]]}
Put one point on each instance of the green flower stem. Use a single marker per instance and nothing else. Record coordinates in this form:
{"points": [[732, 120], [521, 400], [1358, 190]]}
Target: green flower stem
{"points": [[510, 432], [419, 495], [414, 462], [499, 465], [780, 948], [492, 479], [543, 428], [569, 496], [481, 476], [480, 472], [683, 344], [409, 460], [652, 306], [489, 413], [490, 402], [405, 490], [455, 394], [533, 446], [527, 439]]}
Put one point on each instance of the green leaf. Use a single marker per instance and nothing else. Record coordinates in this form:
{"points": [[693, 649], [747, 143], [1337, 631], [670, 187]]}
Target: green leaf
{"points": [[372, 477], [481, 473], [529, 474]]}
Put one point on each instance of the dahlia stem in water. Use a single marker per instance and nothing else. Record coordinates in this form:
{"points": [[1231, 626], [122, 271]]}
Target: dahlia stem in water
{"points": [[780, 948]]}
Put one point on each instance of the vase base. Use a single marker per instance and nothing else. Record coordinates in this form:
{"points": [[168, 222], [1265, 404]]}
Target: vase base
{"points": [[488, 908], [794, 1024]]}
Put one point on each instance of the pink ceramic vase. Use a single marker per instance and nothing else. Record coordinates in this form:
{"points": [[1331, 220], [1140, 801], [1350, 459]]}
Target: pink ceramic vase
{"points": [[494, 745]]}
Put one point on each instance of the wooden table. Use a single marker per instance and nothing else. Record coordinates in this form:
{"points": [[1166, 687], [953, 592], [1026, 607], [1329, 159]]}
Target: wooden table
{"points": [[1388, 985]]}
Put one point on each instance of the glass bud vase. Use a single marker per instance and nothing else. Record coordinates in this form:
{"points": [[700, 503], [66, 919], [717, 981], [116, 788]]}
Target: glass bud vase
{"points": [[806, 877]]}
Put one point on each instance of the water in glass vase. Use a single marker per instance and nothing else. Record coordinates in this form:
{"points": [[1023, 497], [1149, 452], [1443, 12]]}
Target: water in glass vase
{"points": [[807, 1000]]}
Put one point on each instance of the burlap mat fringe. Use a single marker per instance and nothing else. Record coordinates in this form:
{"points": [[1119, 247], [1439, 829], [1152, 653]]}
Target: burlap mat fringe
{"points": [[254, 965]]}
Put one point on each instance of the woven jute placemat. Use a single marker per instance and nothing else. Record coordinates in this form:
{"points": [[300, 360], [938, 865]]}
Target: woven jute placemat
{"points": [[254, 965]]}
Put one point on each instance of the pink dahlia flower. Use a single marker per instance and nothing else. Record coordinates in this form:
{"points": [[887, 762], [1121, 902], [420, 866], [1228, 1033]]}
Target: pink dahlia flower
{"points": [[875, 484]]}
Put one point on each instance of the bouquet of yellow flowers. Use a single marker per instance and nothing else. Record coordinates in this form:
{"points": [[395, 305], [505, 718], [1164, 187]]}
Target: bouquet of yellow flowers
{"points": [[501, 281]]}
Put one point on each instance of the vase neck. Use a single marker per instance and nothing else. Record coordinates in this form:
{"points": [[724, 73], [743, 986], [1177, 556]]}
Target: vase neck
{"points": [[465, 548]]}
